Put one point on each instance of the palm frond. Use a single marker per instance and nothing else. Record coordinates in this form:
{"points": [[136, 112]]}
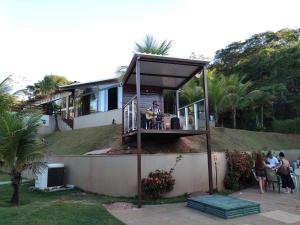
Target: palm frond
{"points": [[18, 142], [151, 46]]}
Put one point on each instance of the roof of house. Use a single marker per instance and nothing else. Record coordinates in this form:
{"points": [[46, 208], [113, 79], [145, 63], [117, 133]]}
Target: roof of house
{"points": [[163, 71], [77, 84]]}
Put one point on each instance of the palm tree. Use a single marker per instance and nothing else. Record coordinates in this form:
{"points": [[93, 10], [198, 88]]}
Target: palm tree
{"points": [[6, 99], [191, 91], [216, 93], [47, 87], [18, 150], [151, 46], [237, 95]]}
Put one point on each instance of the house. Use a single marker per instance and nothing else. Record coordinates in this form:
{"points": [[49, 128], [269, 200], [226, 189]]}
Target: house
{"points": [[82, 105], [93, 104]]}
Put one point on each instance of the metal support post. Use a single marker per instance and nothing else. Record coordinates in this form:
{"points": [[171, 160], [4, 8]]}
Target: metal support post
{"points": [[208, 139], [138, 99], [177, 103], [186, 116], [196, 116]]}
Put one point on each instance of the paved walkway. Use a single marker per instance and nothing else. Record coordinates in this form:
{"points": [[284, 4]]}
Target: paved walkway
{"points": [[277, 209]]}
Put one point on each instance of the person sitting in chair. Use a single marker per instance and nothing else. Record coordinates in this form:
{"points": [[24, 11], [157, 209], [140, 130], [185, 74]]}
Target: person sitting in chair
{"points": [[271, 161], [154, 116]]}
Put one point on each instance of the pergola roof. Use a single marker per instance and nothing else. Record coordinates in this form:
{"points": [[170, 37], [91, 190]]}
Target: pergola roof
{"points": [[163, 71]]}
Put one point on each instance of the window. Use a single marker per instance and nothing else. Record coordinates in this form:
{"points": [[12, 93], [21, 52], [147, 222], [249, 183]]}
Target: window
{"points": [[63, 102], [102, 100], [112, 98], [91, 99], [120, 96], [79, 106], [93, 103]]}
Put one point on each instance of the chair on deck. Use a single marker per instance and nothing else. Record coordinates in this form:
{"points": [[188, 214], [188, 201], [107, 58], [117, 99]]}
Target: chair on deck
{"points": [[273, 178]]}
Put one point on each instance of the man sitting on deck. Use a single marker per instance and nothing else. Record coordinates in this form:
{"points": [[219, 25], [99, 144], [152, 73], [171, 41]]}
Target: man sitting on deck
{"points": [[154, 116]]}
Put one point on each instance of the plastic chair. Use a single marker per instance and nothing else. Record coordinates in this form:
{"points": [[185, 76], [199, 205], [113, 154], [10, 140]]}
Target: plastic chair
{"points": [[273, 178], [296, 176]]}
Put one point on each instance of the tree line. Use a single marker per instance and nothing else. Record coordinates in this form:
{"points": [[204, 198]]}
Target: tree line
{"points": [[267, 63], [255, 82]]}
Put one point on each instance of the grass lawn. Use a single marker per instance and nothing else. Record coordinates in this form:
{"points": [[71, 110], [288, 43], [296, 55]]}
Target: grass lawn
{"points": [[243, 140], [4, 176], [77, 142], [56, 208], [72, 207]]}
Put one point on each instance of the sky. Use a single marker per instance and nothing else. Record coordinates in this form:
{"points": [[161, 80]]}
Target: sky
{"points": [[86, 40]]}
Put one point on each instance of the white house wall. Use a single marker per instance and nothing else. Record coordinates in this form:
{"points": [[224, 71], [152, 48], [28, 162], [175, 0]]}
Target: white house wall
{"points": [[98, 119], [50, 126]]}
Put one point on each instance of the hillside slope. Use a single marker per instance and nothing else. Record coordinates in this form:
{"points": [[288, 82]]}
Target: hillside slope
{"points": [[77, 142], [224, 138], [80, 141]]}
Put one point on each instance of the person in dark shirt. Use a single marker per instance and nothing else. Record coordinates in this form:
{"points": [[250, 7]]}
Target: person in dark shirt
{"points": [[260, 170]]}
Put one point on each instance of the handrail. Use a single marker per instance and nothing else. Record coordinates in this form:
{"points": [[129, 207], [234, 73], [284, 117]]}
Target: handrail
{"points": [[129, 101], [129, 115], [201, 100]]}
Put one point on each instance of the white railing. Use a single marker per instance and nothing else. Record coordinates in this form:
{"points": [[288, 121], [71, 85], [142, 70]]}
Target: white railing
{"points": [[130, 115], [193, 116]]}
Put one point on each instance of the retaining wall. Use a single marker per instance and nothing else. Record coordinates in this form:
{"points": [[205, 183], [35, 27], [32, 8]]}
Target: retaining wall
{"points": [[117, 175]]}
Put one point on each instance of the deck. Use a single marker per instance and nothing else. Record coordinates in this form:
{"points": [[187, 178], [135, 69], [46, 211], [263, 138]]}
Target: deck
{"points": [[168, 133]]}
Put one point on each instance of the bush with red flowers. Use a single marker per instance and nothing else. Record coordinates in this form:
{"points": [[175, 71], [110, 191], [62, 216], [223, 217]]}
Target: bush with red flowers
{"points": [[239, 165], [159, 182]]}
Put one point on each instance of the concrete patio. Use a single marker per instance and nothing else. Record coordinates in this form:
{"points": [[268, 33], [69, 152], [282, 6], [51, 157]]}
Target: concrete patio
{"points": [[276, 209]]}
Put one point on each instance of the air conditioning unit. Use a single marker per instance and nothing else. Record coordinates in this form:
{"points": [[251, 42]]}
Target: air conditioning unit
{"points": [[52, 176]]}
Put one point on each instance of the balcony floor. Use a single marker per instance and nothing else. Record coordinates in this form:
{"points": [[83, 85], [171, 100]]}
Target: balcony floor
{"points": [[168, 133]]}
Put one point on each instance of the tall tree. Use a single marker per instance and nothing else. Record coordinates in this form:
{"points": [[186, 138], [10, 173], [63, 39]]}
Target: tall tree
{"points": [[227, 60], [152, 46], [192, 91], [48, 85], [18, 150], [238, 96], [216, 93], [271, 61]]}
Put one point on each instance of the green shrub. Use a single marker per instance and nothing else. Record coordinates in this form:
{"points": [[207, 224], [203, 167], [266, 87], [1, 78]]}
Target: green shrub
{"points": [[287, 126]]}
